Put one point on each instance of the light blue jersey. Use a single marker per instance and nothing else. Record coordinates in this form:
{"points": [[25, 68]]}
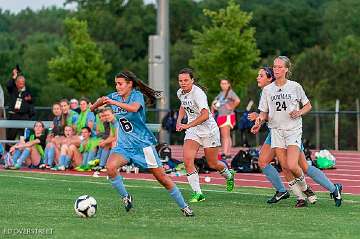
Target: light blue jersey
{"points": [[135, 142], [132, 129]]}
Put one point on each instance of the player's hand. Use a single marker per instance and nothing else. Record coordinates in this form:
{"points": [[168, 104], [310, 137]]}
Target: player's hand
{"points": [[255, 129], [180, 127], [295, 114], [252, 116], [102, 143]]}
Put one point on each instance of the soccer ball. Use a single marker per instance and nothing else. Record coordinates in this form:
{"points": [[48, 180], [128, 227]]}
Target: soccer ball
{"points": [[85, 206]]}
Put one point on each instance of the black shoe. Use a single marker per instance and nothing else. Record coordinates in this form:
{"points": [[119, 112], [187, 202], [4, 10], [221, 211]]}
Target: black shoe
{"points": [[311, 196], [187, 211], [278, 196], [336, 195], [301, 203], [128, 202]]}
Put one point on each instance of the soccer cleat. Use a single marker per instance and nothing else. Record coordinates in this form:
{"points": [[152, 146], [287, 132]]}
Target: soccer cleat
{"points": [[311, 196], [15, 167], [94, 162], [336, 195], [197, 197], [278, 196], [42, 166], [58, 168], [301, 203], [128, 202], [187, 211], [230, 182]]}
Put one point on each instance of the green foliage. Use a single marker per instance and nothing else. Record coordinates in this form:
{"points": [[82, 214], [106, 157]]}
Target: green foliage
{"points": [[80, 64], [226, 49], [341, 18]]}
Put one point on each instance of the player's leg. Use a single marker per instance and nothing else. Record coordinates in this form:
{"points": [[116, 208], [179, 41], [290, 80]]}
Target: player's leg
{"points": [[265, 157], [225, 139], [35, 156], [190, 148], [165, 180], [319, 177], [117, 160]]}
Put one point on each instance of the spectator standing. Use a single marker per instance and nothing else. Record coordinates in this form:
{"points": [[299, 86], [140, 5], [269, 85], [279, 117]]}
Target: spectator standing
{"points": [[20, 102]]}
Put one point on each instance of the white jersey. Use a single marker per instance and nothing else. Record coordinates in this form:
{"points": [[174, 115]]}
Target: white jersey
{"points": [[193, 102], [279, 101]]}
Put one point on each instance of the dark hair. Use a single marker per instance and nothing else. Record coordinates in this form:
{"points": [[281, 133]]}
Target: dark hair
{"points": [[151, 94], [190, 72], [228, 90], [40, 122], [269, 72], [84, 99], [87, 128]]}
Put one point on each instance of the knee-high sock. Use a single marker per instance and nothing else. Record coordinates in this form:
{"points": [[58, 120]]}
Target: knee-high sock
{"points": [[91, 156], [295, 188], [318, 176], [46, 152], [177, 196], [51, 156], [273, 176], [193, 179], [104, 156], [302, 183], [16, 156], [118, 184], [25, 153], [225, 173], [84, 158], [98, 153]]}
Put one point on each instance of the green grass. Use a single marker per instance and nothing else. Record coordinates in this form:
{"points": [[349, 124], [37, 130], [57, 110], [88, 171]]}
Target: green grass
{"points": [[30, 200]]}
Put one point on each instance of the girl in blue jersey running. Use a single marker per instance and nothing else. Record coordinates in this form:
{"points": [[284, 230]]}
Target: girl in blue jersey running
{"points": [[135, 142]]}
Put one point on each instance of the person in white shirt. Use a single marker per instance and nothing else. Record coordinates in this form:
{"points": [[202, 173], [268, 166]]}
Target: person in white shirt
{"points": [[201, 130], [280, 103]]}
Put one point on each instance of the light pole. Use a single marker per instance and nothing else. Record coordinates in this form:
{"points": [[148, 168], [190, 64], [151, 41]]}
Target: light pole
{"points": [[159, 63]]}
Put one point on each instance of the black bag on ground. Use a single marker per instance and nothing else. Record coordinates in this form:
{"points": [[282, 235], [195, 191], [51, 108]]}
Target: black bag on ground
{"points": [[202, 165], [246, 161]]}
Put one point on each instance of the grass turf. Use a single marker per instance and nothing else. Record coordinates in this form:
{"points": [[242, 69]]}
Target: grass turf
{"points": [[31, 200]]}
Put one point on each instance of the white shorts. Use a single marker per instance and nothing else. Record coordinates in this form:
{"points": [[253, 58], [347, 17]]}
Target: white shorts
{"points": [[283, 138], [211, 140]]}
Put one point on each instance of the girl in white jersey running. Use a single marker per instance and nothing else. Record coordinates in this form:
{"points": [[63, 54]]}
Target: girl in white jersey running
{"points": [[201, 130], [280, 104]]}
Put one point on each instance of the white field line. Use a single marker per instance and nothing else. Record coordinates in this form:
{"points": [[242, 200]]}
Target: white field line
{"points": [[152, 187]]}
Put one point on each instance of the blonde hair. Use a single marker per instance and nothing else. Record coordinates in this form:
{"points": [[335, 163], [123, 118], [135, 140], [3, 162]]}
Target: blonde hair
{"points": [[287, 62]]}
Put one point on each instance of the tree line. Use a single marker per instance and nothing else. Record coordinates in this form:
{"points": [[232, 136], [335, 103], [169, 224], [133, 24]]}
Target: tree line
{"points": [[100, 38]]}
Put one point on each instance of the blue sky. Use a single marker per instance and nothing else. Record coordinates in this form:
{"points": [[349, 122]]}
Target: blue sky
{"points": [[17, 5]]}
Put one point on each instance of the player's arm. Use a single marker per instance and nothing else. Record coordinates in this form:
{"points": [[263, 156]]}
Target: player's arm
{"points": [[181, 115], [133, 107], [304, 110], [204, 115], [262, 117], [99, 102]]}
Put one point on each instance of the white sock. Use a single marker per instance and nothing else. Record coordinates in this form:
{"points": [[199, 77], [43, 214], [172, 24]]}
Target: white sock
{"points": [[295, 188], [301, 182], [193, 179], [225, 173]]}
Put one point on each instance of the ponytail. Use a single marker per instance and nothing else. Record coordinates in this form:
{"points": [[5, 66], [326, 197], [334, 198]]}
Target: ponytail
{"points": [[150, 93]]}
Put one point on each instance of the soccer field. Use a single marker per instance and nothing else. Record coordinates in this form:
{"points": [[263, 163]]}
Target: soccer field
{"points": [[45, 201]]}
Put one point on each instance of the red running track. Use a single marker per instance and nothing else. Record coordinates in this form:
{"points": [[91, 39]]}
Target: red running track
{"points": [[347, 173]]}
